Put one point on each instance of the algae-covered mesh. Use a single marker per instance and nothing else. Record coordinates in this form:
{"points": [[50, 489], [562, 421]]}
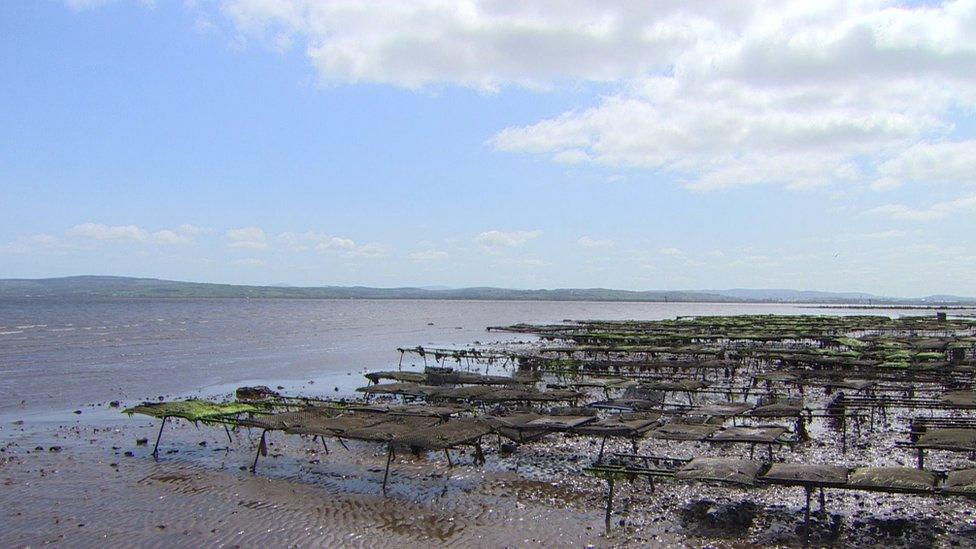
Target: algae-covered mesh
{"points": [[678, 431], [892, 478], [391, 429], [618, 426], [778, 409], [814, 474], [759, 435], [290, 421], [950, 439], [963, 480], [337, 426], [737, 471], [445, 435], [193, 409], [960, 398], [724, 409]]}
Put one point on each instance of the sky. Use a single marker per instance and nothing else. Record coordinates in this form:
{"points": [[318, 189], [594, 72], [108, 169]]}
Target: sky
{"points": [[551, 144]]}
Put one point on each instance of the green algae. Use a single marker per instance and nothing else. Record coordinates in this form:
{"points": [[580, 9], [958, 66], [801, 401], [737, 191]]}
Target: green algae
{"points": [[193, 409]]}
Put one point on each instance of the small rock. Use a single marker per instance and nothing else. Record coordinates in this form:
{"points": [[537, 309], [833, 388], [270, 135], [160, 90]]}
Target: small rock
{"points": [[142, 441], [115, 404], [77, 412], [54, 449]]}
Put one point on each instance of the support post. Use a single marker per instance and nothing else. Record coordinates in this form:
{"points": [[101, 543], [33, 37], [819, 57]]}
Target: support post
{"points": [[158, 436], [389, 458], [806, 513], [447, 453], [262, 449], [603, 444], [843, 431], [341, 443], [606, 520], [226, 430], [823, 502], [325, 446], [921, 458], [479, 455]]}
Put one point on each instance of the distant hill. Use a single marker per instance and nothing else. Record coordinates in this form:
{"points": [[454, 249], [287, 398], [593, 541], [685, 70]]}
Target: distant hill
{"points": [[795, 295], [126, 287]]}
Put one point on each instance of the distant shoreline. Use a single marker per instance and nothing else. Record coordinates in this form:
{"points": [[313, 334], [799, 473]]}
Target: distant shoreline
{"points": [[112, 287], [797, 304]]}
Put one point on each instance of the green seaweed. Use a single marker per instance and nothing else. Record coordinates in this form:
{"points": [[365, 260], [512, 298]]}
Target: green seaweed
{"points": [[192, 409]]}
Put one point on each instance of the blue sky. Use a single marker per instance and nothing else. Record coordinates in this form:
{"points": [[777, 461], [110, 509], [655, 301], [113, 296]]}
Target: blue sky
{"points": [[566, 144]]}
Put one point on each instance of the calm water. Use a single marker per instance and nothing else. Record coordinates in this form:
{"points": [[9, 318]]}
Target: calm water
{"points": [[63, 355]]}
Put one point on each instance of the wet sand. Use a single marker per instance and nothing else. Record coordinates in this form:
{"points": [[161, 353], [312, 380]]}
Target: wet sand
{"points": [[85, 494], [88, 492]]}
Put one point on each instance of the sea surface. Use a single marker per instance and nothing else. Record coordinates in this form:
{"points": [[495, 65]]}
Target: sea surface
{"points": [[62, 355]]}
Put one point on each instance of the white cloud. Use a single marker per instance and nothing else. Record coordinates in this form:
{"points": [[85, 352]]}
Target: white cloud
{"points": [[192, 230], [170, 237], [126, 233], [713, 94], [588, 242], [501, 239], [428, 255], [942, 162], [251, 238], [312, 240], [798, 94], [28, 244], [100, 231], [940, 210], [670, 251], [368, 250], [84, 235], [483, 44]]}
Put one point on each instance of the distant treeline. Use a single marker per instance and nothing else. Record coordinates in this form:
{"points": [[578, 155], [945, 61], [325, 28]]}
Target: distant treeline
{"points": [[126, 287]]}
